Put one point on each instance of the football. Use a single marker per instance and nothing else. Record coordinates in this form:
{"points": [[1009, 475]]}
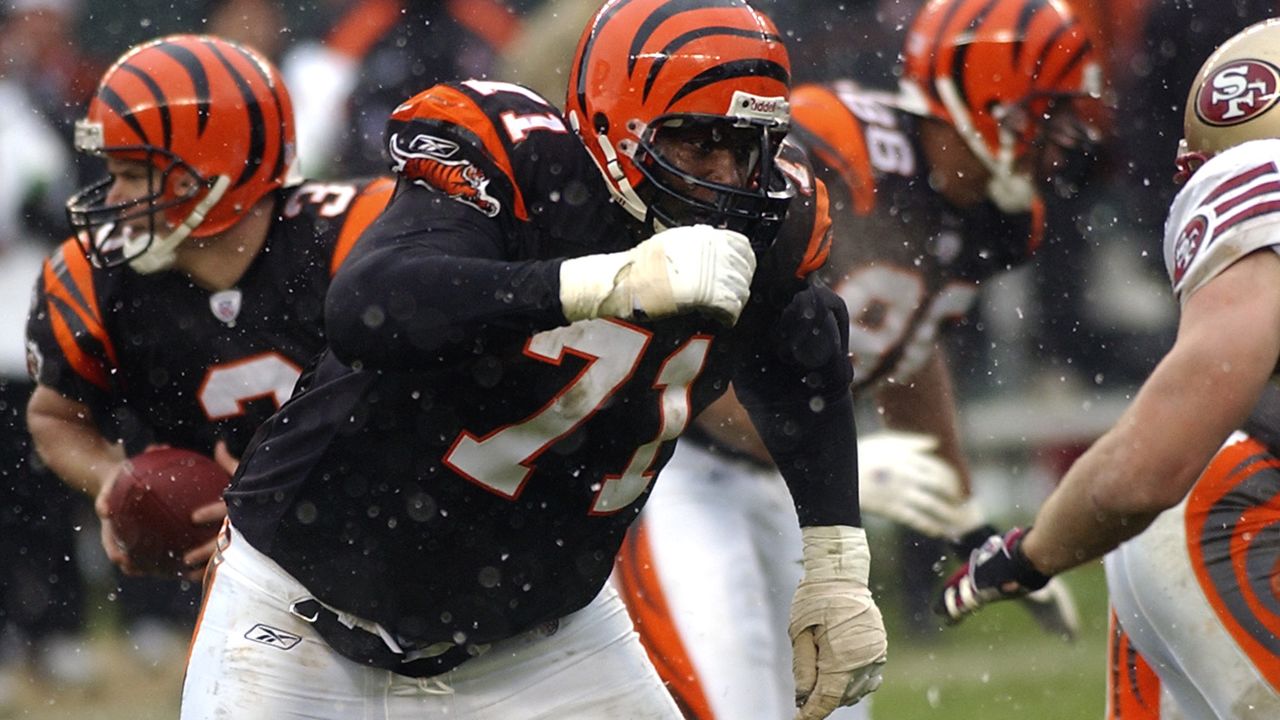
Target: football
{"points": [[151, 502]]}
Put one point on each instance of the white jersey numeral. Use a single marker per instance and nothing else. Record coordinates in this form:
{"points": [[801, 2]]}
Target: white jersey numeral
{"points": [[333, 198], [883, 306], [503, 460], [228, 386]]}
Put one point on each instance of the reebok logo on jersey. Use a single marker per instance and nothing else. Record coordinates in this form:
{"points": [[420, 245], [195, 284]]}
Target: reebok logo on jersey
{"points": [[428, 161], [1238, 92], [274, 637]]}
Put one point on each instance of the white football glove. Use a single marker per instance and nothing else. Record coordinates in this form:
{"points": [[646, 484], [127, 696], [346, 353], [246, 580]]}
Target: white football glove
{"points": [[678, 270], [900, 477], [838, 640]]}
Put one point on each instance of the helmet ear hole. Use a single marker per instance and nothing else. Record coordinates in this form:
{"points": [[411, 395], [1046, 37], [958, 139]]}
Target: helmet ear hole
{"points": [[601, 123]]}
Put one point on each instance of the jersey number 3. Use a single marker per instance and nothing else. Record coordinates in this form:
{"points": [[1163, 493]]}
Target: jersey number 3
{"points": [[503, 460]]}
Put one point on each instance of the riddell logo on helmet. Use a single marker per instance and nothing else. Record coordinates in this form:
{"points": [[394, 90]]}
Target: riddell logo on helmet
{"points": [[1238, 92], [744, 104]]}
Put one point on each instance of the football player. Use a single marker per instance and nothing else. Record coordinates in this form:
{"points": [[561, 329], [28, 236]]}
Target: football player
{"points": [[933, 190], [427, 527], [1187, 478], [191, 295]]}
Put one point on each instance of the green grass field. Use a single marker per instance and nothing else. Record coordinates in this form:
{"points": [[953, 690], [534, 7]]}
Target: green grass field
{"points": [[996, 666]]}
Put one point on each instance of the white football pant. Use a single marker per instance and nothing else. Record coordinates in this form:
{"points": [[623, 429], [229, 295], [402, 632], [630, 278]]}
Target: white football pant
{"points": [[252, 659], [708, 573]]}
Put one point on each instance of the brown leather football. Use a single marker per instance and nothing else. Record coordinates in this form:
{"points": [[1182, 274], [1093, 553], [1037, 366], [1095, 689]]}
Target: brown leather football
{"points": [[151, 502]]}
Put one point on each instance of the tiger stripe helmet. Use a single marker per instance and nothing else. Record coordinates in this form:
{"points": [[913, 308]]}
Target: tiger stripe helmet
{"points": [[215, 121], [993, 69], [642, 65], [1234, 97]]}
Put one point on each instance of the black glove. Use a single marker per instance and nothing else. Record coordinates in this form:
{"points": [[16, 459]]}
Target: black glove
{"points": [[995, 571]]}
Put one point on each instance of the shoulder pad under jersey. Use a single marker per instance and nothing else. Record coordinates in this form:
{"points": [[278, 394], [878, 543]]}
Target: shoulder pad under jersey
{"points": [[1229, 208], [478, 142], [832, 121], [804, 240]]}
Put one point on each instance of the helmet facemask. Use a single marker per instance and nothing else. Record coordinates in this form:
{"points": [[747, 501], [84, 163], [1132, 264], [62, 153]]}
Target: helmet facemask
{"points": [[754, 204], [108, 232]]}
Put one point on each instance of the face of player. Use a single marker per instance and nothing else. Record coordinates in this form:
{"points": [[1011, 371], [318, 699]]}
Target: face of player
{"points": [[132, 183], [1063, 150], [710, 152]]}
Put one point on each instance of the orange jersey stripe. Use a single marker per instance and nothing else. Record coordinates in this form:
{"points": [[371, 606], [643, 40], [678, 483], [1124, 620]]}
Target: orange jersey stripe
{"points": [[76, 304], [487, 20], [841, 145], [819, 248], [647, 606], [367, 22], [1133, 688], [367, 206], [1222, 522]]}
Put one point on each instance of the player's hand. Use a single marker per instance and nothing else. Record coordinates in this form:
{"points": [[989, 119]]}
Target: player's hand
{"points": [[838, 639], [683, 269], [1052, 607], [995, 571], [110, 543], [900, 477]]}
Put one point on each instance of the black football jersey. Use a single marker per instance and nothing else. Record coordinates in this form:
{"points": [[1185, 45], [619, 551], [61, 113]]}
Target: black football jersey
{"points": [[469, 470], [159, 359], [904, 260]]}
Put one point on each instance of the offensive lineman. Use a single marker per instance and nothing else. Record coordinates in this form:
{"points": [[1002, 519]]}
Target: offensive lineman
{"points": [[515, 344], [1195, 588]]}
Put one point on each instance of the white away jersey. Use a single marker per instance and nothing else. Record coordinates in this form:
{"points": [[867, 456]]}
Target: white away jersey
{"points": [[1229, 208]]}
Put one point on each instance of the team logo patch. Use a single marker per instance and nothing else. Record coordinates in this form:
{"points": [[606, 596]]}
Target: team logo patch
{"points": [[1190, 241], [1238, 92], [275, 637], [432, 162], [225, 305]]}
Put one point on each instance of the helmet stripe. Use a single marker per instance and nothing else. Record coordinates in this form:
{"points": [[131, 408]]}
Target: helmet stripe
{"points": [[1025, 17], [275, 96], [732, 70], [671, 47], [959, 62], [161, 104], [664, 13], [601, 19], [121, 108], [257, 124], [199, 78]]}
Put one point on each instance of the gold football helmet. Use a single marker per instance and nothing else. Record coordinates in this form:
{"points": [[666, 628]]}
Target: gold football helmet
{"points": [[1234, 97]]}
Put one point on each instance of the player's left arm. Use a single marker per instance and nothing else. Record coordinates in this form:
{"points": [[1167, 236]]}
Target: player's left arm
{"points": [[795, 387], [1227, 346]]}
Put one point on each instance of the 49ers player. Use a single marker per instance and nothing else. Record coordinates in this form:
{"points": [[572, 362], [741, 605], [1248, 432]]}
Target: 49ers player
{"points": [[426, 529], [1188, 478]]}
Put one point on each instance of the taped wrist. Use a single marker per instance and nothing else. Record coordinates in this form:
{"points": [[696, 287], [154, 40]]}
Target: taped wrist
{"points": [[836, 552], [588, 282]]}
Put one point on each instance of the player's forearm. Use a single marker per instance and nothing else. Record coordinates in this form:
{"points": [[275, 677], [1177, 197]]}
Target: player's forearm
{"points": [[926, 404], [400, 309], [68, 442]]}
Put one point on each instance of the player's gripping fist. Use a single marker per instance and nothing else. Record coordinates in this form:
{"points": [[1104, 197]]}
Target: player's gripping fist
{"points": [[676, 271], [838, 640], [995, 571]]}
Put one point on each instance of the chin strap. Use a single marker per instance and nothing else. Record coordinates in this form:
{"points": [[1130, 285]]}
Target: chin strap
{"points": [[155, 254], [1011, 191], [619, 186]]}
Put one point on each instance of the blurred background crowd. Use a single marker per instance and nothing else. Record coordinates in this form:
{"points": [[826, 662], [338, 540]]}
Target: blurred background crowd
{"points": [[1044, 364]]}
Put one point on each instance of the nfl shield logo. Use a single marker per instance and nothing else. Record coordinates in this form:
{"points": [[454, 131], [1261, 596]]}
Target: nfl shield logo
{"points": [[225, 305]]}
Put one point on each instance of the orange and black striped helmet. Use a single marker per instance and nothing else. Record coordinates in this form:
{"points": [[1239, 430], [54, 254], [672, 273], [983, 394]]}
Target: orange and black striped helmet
{"points": [[215, 121], [997, 69], [643, 66]]}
